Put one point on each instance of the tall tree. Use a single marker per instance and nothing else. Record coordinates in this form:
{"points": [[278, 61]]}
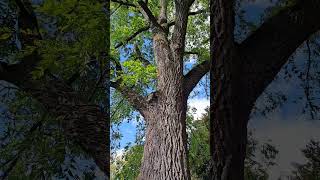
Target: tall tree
{"points": [[241, 72], [164, 110]]}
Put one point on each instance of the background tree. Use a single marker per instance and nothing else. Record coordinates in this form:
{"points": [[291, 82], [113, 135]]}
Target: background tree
{"points": [[58, 71]]}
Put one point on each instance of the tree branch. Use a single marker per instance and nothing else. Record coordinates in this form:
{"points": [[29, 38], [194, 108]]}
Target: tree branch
{"points": [[180, 26], [125, 3], [192, 78], [146, 12], [140, 56], [163, 11], [197, 12], [135, 99], [191, 52], [143, 29], [266, 50]]}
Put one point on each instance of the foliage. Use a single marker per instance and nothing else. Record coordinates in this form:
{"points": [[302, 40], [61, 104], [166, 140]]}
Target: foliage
{"points": [[136, 73], [129, 164], [198, 143], [311, 169]]}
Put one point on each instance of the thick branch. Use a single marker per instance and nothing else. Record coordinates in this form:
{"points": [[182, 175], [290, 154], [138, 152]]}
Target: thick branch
{"points": [[125, 3], [146, 12], [163, 11], [192, 78], [136, 100], [180, 27], [268, 49]]}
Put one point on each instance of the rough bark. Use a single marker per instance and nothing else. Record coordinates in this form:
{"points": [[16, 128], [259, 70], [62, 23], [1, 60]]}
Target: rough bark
{"points": [[165, 150], [228, 115]]}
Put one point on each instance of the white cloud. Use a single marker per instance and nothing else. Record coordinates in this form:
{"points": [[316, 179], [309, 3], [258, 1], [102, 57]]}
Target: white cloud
{"points": [[119, 153], [200, 105]]}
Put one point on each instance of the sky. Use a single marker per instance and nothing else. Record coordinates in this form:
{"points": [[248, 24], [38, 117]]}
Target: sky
{"points": [[288, 129]]}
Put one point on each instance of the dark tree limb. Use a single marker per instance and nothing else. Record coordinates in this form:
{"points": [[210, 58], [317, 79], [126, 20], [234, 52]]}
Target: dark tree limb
{"points": [[125, 3], [139, 31], [192, 78], [191, 52], [146, 12], [267, 49], [140, 57]]}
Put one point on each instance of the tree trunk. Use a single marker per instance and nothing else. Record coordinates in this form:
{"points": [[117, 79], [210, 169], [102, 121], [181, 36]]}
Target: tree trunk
{"points": [[165, 149], [229, 116], [229, 111], [228, 137]]}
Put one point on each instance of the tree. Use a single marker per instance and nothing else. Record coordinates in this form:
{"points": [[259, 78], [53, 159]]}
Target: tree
{"points": [[60, 59], [164, 109], [240, 72]]}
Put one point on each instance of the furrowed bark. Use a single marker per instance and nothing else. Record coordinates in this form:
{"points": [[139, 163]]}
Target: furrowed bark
{"points": [[165, 151], [228, 131]]}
